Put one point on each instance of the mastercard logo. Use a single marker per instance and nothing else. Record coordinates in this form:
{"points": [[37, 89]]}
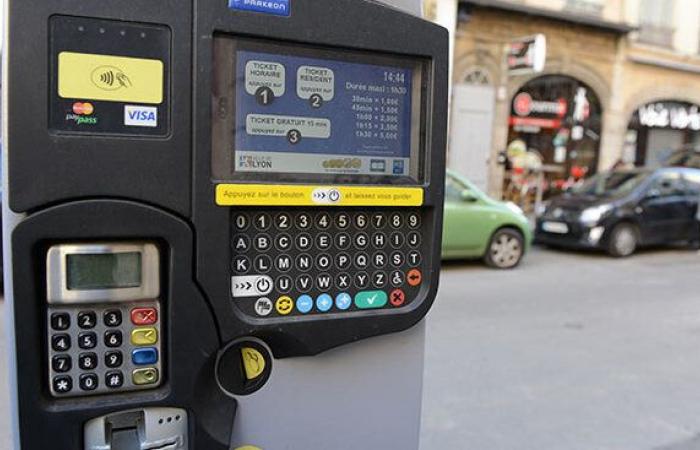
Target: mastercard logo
{"points": [[83, 109]]}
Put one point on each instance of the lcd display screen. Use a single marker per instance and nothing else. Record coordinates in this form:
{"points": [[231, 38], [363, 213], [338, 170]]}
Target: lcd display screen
{"points": [[310, 112], [103, 271]]}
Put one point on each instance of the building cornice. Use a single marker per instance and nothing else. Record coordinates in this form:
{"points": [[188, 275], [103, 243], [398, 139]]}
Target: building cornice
{"points": [[559, 15]]}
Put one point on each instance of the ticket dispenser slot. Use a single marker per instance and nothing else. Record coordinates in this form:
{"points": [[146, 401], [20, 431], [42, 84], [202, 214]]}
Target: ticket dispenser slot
{"points": [[145, 429]]}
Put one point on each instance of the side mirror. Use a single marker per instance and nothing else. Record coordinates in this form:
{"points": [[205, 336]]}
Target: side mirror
{"points": [[468, 196], [652, 194]]}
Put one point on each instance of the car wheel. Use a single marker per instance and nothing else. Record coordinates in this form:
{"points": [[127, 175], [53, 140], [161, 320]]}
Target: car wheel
{"points": [[506, 249], [623, 241]]}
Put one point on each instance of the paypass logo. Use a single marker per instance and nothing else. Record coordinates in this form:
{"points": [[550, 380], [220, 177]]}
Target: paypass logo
{"points": [[140, 116]]}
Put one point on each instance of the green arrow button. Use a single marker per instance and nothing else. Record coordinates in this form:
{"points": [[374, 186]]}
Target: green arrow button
{"points": [[371, 299]]}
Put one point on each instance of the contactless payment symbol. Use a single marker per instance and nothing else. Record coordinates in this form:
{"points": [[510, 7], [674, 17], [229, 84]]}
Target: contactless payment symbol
{"points": [[110, 78]]}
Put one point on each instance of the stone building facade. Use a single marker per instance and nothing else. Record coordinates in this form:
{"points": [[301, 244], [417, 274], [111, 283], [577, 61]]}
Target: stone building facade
{"points": [[624, 89]]}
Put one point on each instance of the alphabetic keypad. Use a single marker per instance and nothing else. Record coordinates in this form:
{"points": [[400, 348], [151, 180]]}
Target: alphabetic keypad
{"points": [[104, 348], [296, 263]]}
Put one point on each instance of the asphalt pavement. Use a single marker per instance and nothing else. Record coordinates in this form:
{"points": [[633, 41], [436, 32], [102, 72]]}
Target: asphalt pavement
{"points": [[567, 352]]}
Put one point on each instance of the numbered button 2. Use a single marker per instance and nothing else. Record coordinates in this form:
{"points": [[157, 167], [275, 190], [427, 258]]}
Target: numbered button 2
{"points": [[87, 320]]}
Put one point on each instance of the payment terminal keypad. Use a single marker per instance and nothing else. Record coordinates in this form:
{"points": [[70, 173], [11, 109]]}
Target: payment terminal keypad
{"points": [[104, 348], [299, 263]]}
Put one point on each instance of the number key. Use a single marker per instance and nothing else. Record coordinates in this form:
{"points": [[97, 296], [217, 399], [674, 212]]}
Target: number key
{"points": [[283, 221], [89, 382], [240, 222], [87, 361], [304, 221], [113, 318], [323, 221], [60, 321], [113, 359], [87, 341], [396, 220], [87, 320], [263, 222], [342, 221], [361, 221], [113, 338], [61, 363], [378, 220], [414, 220]]}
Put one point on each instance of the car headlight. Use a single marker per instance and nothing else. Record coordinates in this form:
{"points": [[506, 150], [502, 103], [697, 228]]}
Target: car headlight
{"points": [[541, 209], [591, 216], [515, 208]]}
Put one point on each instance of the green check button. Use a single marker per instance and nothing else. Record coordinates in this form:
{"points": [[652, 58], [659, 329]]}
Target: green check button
{"points": [[371, 299]]}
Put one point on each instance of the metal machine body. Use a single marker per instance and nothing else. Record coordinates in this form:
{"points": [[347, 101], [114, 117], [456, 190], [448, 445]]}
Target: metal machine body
{"points": [[219, 221]]}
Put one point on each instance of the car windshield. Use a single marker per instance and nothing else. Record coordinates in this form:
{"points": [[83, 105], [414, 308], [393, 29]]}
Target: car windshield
{"points": [[611, 183]]}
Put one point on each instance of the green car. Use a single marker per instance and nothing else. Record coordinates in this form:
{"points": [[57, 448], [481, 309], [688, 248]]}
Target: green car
{"points": [[477, 226]]}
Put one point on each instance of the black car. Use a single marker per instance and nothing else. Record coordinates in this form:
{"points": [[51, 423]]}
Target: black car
{"points": [[622, 211]]}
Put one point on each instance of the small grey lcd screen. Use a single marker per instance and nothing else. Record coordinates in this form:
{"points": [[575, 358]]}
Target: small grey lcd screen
{"points": [[86, 272]]}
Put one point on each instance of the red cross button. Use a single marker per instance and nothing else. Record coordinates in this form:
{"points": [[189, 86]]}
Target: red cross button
{"points": [[144, 316], [397, 297]]}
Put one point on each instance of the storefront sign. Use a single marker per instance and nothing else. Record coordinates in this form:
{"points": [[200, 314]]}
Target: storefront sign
{"points": [[524, 106], [527, 55], [670, 115]]}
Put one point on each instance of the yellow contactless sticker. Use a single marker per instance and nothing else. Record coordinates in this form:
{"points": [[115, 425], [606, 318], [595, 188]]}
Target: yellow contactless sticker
{"points": [[110, 78], [293, 195], [253, 362]]}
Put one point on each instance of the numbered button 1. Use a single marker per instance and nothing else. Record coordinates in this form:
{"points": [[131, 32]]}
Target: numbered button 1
{"points": [[89, 382], [114, 379], [87, 361], [113, 338], [262, 222], [60, 321], [113, 318], [61, 364], [87, 320], [114, 359], [60, 343]]}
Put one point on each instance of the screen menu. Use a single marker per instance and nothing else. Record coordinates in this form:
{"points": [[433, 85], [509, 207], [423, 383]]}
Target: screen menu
{"points": [[316, 114]]}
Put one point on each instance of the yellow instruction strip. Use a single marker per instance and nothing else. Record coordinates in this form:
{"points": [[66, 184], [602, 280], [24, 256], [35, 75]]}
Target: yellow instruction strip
{"points": [[307, 195], [110, 78]]}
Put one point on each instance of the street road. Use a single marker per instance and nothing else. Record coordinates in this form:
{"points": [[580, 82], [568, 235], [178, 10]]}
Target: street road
{"points": [[568, 352]]}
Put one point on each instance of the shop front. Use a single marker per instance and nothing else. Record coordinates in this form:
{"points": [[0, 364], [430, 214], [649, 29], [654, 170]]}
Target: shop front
{"points": [[554, 137], [658, 129]]}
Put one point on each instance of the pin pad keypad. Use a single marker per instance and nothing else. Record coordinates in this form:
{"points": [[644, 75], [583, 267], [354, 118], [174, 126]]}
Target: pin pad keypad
{"points": [[287, 263], [104, 348]]}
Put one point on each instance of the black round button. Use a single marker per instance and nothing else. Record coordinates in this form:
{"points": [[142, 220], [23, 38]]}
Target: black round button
{"points": [[243, 367]]}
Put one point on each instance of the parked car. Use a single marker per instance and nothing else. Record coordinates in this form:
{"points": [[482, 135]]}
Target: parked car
{"points": [[622, 211], [684, 157], [477, 226]]}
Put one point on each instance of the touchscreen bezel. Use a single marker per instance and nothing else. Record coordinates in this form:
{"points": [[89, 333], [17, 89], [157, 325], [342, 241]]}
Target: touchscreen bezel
{"points": [[224, 87]]}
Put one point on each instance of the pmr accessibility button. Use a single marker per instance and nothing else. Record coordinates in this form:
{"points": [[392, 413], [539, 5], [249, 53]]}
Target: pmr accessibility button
{"points": [[371, 299]]}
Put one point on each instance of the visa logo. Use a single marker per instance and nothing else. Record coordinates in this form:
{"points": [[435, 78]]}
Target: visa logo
{"points": [[140, 116]]}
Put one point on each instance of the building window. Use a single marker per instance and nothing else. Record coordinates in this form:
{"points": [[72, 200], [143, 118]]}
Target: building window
{"points": [[656, 22], [587, 7]]}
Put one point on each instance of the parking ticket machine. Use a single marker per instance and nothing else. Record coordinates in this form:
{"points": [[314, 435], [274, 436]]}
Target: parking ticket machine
{"points": [[210, 207]]}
